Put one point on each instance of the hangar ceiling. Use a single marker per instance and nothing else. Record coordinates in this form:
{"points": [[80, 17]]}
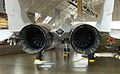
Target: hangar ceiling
{"points": [[47, 8]]}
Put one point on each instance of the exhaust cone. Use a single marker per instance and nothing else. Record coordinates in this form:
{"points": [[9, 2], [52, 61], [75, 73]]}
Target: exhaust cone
{"points": [[34, 38], [85, 39]]}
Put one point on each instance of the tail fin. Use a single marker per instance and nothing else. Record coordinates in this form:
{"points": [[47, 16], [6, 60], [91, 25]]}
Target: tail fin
{"points": [[17, 17], [104, 24]]}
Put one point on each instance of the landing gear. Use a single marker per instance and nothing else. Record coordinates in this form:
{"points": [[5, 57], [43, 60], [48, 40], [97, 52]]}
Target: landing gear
{"points": [[66, 50], [39, 58], [40, 63], [91, 58], [66, 54], [12, 41]]}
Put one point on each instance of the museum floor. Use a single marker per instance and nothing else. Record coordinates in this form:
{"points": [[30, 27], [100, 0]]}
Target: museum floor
{"points": [[23, 63]]}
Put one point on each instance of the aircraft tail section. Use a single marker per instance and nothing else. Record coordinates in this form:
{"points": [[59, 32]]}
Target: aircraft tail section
{"points": [[17, 17], [104, 24]]}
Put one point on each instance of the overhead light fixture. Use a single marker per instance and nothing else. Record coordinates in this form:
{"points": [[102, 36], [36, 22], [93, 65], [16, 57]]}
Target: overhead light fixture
{"points": [[53, 24], [37, 16], [47, 20]]}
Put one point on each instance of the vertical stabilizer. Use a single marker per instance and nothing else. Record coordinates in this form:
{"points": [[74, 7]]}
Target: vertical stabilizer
{"points": [[104, 24], [17, 17]]}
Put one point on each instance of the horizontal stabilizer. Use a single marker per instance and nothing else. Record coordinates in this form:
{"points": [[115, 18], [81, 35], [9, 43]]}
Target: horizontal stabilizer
{"points": [[115, 33], [5, 34]]}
